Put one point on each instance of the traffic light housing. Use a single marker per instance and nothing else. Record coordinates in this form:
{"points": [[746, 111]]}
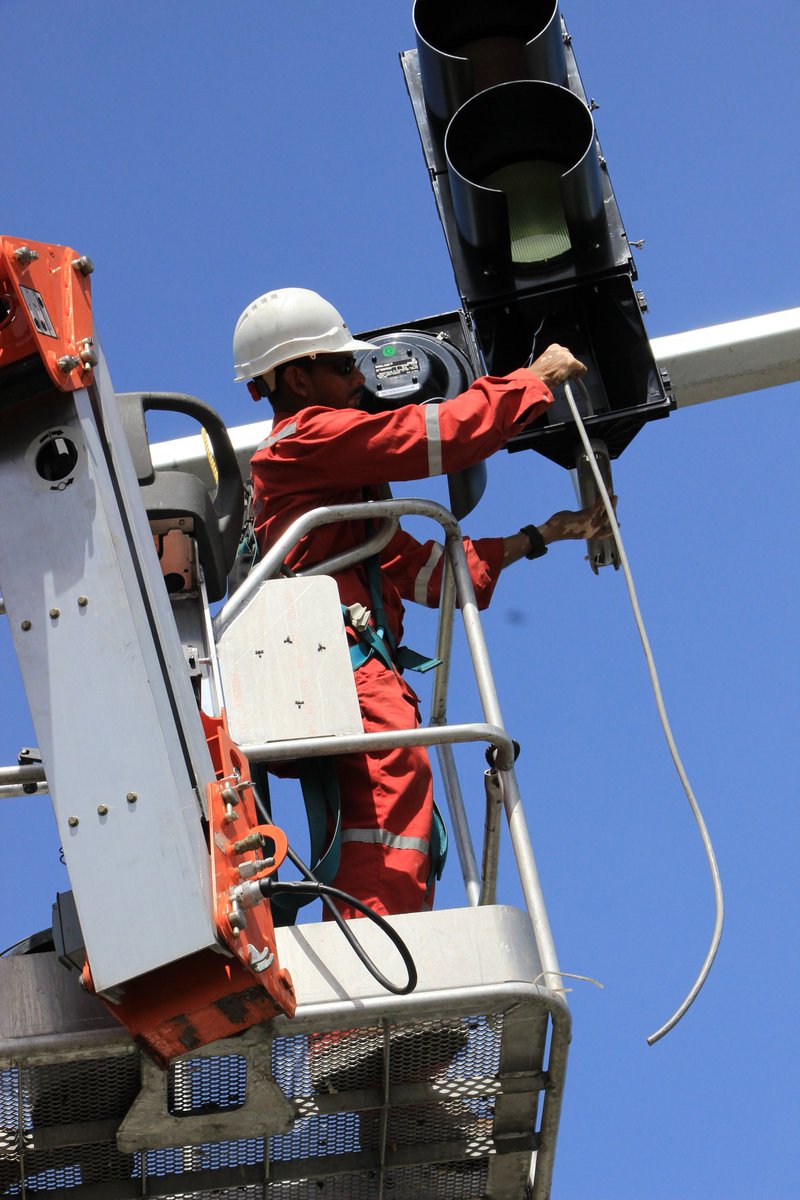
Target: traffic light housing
{"points": [[532, 225], [422, 362]]}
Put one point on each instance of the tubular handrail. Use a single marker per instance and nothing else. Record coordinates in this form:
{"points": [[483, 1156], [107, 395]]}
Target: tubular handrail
{"points": [[375, 543], [270, 565], [366, 743], [17, 781]]}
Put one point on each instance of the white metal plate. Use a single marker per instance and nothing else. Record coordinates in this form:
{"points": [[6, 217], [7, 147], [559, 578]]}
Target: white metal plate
{"points": [[285, 665]]}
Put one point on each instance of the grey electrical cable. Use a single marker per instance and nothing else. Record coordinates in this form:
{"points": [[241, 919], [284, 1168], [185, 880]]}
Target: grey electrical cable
{"points": [[698, 816]]}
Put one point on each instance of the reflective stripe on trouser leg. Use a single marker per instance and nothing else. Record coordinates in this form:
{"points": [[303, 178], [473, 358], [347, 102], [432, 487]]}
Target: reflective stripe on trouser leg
{"points": [[387, 803]]}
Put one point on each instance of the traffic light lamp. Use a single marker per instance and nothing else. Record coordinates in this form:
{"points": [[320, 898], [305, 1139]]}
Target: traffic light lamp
{"points": [[532, 225]]}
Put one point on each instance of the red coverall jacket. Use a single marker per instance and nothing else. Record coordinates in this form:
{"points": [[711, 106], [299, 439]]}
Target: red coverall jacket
{"points": [[324, 456]]}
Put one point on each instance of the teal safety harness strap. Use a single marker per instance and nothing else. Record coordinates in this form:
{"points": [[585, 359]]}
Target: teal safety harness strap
{"points": [[380, 640], [320, 787], [438, 846]]}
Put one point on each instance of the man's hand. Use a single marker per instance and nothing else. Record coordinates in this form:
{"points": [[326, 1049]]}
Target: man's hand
{"points": [[586, 523], [555, 365], [561, 527]]}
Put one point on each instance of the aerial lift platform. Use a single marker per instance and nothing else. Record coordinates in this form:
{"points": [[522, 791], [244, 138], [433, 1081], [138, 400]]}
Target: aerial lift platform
{"points": [[208, 1054]]}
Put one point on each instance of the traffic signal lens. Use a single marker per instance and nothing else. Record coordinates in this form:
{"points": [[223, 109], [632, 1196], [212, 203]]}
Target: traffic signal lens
{"points": [[536, 218], [493, 60]]}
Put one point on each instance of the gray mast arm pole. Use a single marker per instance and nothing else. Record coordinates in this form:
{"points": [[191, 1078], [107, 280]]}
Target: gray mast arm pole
{"points": [[727, 360]]}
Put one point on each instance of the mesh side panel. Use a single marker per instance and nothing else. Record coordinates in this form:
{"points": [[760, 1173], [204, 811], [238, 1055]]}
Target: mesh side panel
{"points": [[207, 1085], [481, 1055], [53, 1171], [209, 1156], [74, 1092], [9, 1106], [36, 1101], [439, 1181], [456, 1060], [354, 1186], [290, 1066], [350, 1059], [316, 1136], [354, 1058], [430, 1124], [253, 1191]]}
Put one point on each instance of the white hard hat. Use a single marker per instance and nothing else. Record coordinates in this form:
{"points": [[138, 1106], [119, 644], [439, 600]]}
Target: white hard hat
{"points": [[284, 325]]}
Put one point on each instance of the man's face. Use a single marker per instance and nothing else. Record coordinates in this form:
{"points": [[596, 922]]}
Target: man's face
{"points": [[332, 381]]}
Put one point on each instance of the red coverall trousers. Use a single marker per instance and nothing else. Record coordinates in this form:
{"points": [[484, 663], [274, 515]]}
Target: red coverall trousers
{"points": [[323, 456], [387, 803]]}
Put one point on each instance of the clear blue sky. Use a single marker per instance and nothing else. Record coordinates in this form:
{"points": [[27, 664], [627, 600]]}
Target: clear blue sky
{"points": [[202, 153]]}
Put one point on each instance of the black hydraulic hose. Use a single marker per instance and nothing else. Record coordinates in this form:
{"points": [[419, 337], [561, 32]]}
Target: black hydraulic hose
{"points": [[310, 886]]}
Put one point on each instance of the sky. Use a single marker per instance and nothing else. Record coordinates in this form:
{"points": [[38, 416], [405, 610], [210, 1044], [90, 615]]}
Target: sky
{"points": [[202, 154]]}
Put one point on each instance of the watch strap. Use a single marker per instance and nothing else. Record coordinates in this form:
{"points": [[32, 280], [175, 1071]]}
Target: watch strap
{"points": [[538, 545]]}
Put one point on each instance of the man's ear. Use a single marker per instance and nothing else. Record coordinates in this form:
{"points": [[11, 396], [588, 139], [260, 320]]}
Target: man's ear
{"points": [[296, 380]]}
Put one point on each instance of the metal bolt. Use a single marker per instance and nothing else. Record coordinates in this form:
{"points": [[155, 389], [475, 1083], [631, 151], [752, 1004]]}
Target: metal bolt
{"points": [[24, 255], [26, 625], [68, 362], [89, 359], [102, 810], [83, 264], [83, 601], [132, 797], [55, 612], [72, 822], [236, 919]]}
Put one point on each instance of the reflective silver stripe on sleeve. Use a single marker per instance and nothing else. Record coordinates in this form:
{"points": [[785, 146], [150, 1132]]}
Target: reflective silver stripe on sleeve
{"points": [[276, 437], [434, 436], [384, 838], [424, 576]]}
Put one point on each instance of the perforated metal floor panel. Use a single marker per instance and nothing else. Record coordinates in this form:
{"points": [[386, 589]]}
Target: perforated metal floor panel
{"points": [[381, 1106]]}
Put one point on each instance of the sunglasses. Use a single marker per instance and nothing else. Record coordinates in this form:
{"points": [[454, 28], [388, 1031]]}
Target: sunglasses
{"points": [[339, 366]]}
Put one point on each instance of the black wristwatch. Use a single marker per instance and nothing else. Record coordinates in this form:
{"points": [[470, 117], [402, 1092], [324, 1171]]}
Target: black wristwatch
{"points": [[538, 546]]}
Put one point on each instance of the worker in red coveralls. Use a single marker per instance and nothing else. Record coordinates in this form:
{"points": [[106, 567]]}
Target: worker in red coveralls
{"points": [[294, 348]]}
